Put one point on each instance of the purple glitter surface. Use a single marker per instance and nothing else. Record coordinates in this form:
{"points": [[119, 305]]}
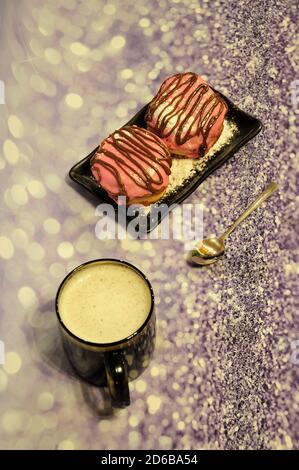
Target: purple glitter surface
{"points": [[225, 370]]}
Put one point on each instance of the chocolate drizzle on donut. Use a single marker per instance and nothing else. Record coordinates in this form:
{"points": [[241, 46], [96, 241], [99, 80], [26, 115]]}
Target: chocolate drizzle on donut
{"points": [[194, 118], [139, 154]]}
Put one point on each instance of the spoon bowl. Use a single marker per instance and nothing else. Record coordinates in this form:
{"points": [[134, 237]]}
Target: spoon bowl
{"points": [[194, 258], [211, 247]]}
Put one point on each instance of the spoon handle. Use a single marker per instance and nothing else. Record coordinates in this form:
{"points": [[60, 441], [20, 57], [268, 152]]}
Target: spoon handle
{"points": [[259, 200]]}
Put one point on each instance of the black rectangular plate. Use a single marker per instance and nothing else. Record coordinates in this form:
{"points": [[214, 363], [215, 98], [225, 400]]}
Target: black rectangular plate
{"points": [[247, 127]]}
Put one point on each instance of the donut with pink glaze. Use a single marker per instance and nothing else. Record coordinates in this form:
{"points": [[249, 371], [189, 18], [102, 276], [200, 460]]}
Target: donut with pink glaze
{"points": [[187, 115], [132, 162]]}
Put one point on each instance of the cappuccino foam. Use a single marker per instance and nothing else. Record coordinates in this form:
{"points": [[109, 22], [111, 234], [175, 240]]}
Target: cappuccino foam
{"points": [[104, 302]]}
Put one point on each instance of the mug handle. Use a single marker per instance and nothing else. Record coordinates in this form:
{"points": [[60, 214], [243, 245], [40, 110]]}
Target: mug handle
{"points": [[117, 379]]}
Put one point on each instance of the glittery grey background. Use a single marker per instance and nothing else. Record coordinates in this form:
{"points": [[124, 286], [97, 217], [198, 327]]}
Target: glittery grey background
{"points": [[225, 372]]}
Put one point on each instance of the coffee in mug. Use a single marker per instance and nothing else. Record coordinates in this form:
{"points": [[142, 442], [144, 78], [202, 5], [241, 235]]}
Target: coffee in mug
{"points": [[106, 313]]}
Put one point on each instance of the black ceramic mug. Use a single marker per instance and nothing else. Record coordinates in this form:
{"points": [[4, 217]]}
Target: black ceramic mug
{"points": [[110, 364]]}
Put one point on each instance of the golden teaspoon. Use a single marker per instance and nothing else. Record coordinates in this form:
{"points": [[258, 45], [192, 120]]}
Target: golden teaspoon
{"points": [[210, 249]]}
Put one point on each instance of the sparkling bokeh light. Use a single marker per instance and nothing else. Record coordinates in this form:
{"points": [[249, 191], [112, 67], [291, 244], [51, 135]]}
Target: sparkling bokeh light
{"points": [[222, 377]]}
